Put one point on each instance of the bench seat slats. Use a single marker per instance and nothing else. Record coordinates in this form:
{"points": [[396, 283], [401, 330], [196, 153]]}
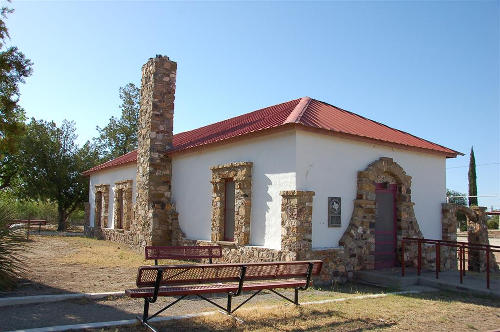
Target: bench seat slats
{"points": [[212, 288]]}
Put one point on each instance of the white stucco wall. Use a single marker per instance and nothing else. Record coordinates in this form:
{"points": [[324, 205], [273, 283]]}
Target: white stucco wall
{"points": [[289, 160], [110, 177], [273, 158], [328, 166]]}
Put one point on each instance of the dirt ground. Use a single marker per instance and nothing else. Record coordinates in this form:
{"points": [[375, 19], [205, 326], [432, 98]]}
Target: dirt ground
{"points": [[57, 264], [72, 264]]}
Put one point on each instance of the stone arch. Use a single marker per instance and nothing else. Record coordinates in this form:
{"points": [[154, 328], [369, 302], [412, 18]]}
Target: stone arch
{"points": [[359, 238], [477, 232]]}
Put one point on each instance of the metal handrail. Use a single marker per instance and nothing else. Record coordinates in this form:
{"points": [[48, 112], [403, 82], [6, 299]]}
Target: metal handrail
{"points": [[462, 246]]}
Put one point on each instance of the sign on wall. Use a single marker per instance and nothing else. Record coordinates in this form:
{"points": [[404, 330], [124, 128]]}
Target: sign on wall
{"points": [[334, 211]]}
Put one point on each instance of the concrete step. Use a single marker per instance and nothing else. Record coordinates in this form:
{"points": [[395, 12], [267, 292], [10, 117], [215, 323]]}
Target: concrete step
{"points": [[447, 281]]}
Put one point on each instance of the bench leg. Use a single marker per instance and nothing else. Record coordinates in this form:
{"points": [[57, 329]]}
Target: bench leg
{"points": [[146, 311], [229, 298], [296, 299]]}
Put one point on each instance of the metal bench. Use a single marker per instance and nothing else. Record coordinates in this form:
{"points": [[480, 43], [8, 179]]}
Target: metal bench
{"points": [[183, 252], [29, 223], [231, 279]]}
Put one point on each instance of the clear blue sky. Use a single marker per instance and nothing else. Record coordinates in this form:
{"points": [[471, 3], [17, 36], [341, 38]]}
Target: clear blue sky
{"points": [[429, 68]]}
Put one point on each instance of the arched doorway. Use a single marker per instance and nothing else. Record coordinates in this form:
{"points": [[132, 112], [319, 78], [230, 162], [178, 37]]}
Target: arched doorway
{"points": [[388, 181]]}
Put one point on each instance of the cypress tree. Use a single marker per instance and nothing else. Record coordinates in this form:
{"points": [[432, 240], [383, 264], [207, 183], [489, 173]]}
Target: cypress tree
{"points": [[472, 179]]}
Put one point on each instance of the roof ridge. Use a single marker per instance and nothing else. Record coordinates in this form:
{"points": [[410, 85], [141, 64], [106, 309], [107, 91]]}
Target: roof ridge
{"points": [[298, 111]]}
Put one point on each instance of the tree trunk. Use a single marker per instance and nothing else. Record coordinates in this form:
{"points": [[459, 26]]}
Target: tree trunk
{"points": [[61, 220]]}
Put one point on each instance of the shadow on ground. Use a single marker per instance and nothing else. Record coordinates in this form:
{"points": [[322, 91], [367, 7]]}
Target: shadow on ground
{"points": [[26, 287], [449, 296]]}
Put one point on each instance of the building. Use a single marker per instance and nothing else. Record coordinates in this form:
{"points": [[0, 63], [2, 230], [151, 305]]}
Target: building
{"points": [[302, 179]]}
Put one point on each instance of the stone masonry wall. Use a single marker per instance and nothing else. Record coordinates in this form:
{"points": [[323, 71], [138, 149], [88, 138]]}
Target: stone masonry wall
{"points": [[154, 211], [296, 221], [359, 237], [241, 174], [477, 232]]}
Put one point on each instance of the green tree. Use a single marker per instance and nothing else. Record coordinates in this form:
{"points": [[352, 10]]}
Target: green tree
{"points": [[493, 222], [456, 197], [51, 166], [460, 200], [14, 68], [472, 179], [120, 135]]}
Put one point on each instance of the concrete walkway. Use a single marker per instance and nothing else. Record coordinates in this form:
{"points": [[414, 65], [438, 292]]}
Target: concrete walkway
{"points": [[473, 283]]}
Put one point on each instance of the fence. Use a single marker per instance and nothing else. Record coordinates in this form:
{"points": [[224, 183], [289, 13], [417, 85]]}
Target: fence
{"points": [[463, 248]]}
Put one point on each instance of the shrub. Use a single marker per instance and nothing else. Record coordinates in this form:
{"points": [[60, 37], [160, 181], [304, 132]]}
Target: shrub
{"points": [[493, 222], [10, 249]]}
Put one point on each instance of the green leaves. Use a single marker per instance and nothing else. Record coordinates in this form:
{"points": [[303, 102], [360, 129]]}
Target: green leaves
{"points": [[14, 68], [452, 197], [50, 166], [120, 135]]}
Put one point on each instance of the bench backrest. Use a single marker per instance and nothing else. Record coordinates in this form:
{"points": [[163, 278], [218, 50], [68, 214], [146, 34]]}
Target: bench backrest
{"points": [[32, 221], [206, 273], [183, 252]]}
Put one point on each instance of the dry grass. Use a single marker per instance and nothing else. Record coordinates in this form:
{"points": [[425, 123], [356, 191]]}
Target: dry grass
{"points": [[92, 252], [100, 253], [421, 312], [54, 264]]}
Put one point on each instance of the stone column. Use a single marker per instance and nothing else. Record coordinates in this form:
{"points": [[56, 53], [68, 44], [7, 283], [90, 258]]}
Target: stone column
{"points": [[449, 226], [153, 207], [296, 223], [477, 232]]}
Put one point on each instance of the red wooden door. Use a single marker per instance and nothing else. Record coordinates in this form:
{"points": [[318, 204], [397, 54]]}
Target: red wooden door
{"points": [[385, 225]]}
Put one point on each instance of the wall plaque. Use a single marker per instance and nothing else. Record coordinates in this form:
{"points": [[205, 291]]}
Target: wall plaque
{"points": [[334, 211]]}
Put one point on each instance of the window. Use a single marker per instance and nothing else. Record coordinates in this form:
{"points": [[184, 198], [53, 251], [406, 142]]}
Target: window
{"points": [[122, 204], [101, 204], [98, 209], [229, 204], [119, 215]]}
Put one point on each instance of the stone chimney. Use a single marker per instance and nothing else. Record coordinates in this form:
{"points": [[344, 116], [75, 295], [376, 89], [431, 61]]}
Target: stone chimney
{"points": [[153, 209]]}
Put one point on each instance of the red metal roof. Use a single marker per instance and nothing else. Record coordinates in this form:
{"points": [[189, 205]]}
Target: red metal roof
{"points": [[127, 158], [304, 112]]}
